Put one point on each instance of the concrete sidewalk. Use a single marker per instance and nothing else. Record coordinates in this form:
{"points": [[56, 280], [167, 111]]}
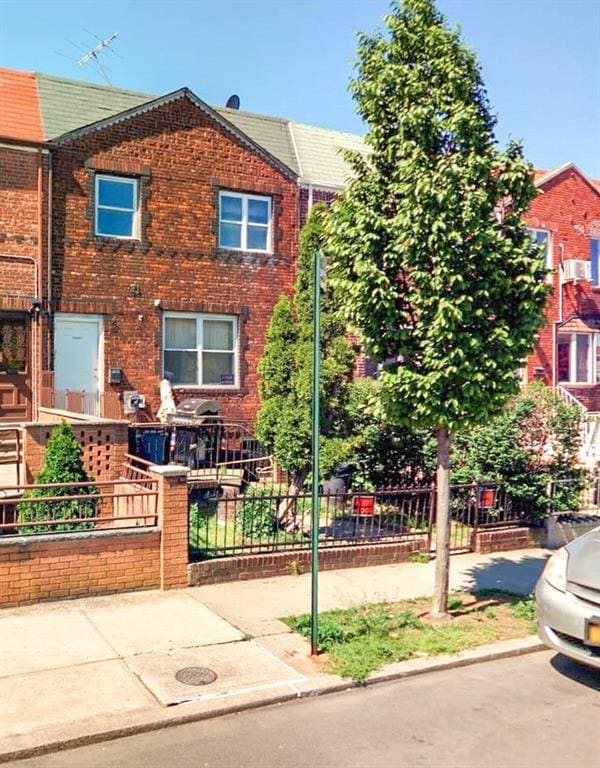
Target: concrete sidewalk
{"points": [[70, 670]]}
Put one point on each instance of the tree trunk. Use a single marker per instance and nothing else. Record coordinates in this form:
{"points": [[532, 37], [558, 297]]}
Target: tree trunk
{"points": [[286, 517], [442, 545]]}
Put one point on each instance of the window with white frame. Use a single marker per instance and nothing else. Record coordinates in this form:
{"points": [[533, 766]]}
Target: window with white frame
{"points": [[595, 260], [200, 350], [244, 222], [542, 237], [116, 206], [578, 358]]}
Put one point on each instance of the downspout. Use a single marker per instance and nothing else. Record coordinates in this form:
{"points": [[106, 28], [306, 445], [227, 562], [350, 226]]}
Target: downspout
{"points": [[49, 264], [557, 324], [561, 247], [310, 197], [37, 315]]}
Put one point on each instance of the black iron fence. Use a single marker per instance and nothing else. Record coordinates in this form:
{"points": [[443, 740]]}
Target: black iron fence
{"points": [[270, 518], [578, 495], [212, 450]]}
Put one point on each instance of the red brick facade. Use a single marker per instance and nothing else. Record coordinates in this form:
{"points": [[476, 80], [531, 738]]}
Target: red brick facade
{"points": [[23, 228], [568, 207], [183, 159]]}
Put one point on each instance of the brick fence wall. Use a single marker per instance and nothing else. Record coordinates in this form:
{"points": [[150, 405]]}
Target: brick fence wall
{"points": [[104, 445], [36, 568], [284, 563], [265, 566], [505, 539], [50, 567]]}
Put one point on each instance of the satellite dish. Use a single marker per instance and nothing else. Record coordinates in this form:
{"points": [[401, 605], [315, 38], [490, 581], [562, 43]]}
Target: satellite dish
{"points": [[233, 102]]}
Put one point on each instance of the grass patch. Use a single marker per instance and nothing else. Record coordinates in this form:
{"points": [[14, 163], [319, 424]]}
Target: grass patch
{"points": [[360, 640], [419, 557]]}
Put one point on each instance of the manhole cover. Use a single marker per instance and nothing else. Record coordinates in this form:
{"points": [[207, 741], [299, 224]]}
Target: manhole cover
{"points": [[196, 676]]}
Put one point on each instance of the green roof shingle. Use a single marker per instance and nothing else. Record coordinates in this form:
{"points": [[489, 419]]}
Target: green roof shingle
{"points": [[313, 153], [272, 133], [70, 104]]}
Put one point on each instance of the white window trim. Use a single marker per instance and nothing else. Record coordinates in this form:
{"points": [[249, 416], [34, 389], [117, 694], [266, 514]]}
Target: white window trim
{"points": [[136, 210], [199, 318], [592, 239], [244, 222], [549, 254], [593, 367]]}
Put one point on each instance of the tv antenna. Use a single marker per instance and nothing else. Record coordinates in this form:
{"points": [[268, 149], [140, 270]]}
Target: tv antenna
{"points": [[93, 55]]}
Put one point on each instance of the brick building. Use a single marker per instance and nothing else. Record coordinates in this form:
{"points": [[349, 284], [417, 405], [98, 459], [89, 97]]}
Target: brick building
{"points": [[170, 237], [174, 229], [565, 217]]}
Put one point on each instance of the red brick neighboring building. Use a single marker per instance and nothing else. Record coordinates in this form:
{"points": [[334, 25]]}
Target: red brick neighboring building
{"points": [[23, 220], [565, 216]]}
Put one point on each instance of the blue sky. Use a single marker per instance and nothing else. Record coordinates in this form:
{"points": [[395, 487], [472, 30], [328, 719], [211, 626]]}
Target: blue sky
{"points": [[540, 58]]}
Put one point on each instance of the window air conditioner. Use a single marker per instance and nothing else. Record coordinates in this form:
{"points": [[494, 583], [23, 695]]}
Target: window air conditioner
{"points": [[576, 270]]}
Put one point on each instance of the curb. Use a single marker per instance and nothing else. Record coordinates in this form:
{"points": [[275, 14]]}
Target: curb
{"points": [[398, 671]]}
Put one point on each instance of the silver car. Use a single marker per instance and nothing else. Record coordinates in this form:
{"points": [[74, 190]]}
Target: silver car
{"points": [[568, 600]]}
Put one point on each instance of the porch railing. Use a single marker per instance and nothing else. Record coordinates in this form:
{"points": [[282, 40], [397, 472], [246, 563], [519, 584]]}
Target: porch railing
{"points": [[10, 455], [589, 427], [222, 452], [130, 501], [101, 404]]}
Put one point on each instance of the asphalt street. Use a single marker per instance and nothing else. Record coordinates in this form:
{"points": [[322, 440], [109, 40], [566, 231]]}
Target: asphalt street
{"points": [[535, 710]]}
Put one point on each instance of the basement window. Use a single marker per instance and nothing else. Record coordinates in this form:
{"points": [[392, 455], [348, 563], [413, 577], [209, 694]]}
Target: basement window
{"points": [[116, 207]]}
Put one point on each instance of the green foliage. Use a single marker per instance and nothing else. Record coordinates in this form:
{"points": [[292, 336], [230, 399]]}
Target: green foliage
{"points": [[419, 557], [427, 247], [534, 440], [285, 371], [385, 454], [274, 370], [362, 639], [62, 464], [524, 609], [454, 603], [257, 517]]}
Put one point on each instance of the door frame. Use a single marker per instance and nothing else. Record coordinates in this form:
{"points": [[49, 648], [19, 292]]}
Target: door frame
{"points": [[27, 374], [99, 320]]}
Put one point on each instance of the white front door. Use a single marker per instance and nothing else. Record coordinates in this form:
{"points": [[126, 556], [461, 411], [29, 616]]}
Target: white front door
{"points": [[77, 364]]}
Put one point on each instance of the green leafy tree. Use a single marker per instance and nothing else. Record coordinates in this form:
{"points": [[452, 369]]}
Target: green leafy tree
{"points": [[62, 464], [427, 245], [284, 419], [384, 454], [534, 441]]}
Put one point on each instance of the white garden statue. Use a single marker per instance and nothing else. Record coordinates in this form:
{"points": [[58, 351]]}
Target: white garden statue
{"points": [[167, 401]]}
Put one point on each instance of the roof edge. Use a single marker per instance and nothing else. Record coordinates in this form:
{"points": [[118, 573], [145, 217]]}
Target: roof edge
{"points": [[561, 169], [160, 101]]}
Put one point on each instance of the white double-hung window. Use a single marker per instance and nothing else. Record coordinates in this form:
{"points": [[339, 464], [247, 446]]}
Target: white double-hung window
{"points": [[542, 237], [244, 222], [578, 358], [116, 207], [200, 350]]}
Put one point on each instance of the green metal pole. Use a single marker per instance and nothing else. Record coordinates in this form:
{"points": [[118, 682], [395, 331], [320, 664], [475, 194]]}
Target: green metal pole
{"points": [[314, 531]]}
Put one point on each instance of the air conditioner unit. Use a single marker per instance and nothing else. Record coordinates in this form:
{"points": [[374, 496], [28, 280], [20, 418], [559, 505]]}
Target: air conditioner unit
{"points": [[576, 270]]}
